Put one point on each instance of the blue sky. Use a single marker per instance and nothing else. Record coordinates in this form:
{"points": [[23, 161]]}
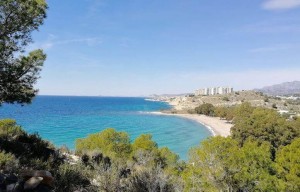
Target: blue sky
{"points": [[142, 47]]}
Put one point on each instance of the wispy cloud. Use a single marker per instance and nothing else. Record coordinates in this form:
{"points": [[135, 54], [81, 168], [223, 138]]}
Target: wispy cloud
{"points": [[53, 40], [273, 48], [95, 6], [280, 4], [274, 27], [88, 41]]}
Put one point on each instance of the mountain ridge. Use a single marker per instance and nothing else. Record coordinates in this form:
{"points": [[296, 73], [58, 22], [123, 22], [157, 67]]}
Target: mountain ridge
{"points": [[286, 88]]}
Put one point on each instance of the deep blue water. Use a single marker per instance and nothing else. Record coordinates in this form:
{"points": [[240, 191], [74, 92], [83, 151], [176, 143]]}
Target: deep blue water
{"points": [[63, 119]]}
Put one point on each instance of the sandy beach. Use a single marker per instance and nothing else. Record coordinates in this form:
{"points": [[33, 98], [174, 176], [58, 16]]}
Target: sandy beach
{"points": [[214, 124]]}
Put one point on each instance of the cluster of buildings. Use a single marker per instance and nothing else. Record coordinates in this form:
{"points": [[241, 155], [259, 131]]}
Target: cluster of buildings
{"points": [[214, 91]]}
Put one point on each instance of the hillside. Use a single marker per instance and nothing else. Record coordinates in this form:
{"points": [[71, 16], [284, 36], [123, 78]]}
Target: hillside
{"points": [[185, 103], [287, 88]]}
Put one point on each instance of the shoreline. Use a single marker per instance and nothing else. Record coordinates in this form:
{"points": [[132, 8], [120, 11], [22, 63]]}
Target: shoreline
{"points": [[215, 125]]}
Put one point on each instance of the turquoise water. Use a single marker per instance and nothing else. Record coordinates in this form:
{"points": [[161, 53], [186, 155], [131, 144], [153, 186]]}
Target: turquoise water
{"points": [[63, 119]]}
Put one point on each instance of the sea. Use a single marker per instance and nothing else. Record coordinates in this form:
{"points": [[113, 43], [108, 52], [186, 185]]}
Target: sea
{"points": [[63, 119]]}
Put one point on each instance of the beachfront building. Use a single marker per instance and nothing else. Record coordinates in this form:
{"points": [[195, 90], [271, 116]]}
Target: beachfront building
{"points": [[214, 91]]}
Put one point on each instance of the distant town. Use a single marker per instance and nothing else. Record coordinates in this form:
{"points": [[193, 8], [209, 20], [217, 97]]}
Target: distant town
{"points": [[214, 91]]}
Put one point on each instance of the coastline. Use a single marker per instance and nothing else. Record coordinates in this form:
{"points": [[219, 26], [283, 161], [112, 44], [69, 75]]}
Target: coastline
{"points": [[215, 125]]}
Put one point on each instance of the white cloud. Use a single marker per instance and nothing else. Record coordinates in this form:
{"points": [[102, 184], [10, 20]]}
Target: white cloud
{"points": [[280, 4]]}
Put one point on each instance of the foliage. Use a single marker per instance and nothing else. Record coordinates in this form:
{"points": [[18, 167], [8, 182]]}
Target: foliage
{"points": [[242, 111], [73, 178], [262, 155], [285, 115], [218, 164], [111, 180], [9, 128], [264, 125], [135, 178], [18, 19], [191, 111], [144, 161], [154, 179], [220, 112], [225, 99], [168, 157], [266, 99], [7, 161], [147, 153], [293, 102], [205, 109], [288, 165], [224, 113], [109, 142], [144, 142], [29, 149]]}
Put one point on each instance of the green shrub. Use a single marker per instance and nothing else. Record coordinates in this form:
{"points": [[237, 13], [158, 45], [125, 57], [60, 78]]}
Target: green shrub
{"points": [[144, 142], [72, 178], [205, 109], [266, 99], [262, 124], [219, 163], [191, 111], [288, 165], [110, 142], [8, 161], [9, 128], [225, 99], [30, 149]]}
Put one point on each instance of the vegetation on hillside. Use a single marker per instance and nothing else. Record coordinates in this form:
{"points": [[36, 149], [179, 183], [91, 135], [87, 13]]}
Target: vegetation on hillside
{"points": [[250, 160], [262, 154], [187, 103]]}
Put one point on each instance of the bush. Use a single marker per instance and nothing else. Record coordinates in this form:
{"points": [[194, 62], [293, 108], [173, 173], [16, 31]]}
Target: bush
{"points": [[191, 111], [264, 125], [9, 128], [219, 163], [8, 161], [154, 179], [205, 109], [110, 142], [31, 150], [266, 99], [72, 178], [144, 142], [288, 165]]}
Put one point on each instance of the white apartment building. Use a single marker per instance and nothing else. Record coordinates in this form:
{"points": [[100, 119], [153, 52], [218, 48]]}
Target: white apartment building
{"points": [[214, 91]]}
